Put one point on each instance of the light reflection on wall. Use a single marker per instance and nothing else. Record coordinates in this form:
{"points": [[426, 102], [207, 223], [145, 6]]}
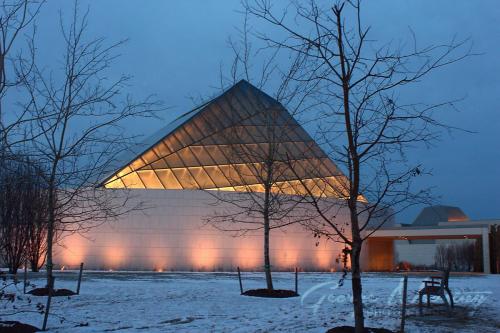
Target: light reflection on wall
{"points": [[75, 252], [158, 258], [172, 237], [324, 259], [205, 256], [221, 254], [248, 256], [115, 257], [288, 255]]}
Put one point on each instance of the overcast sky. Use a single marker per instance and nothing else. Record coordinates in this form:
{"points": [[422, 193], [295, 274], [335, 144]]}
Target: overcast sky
{"points": [[176, 48]]}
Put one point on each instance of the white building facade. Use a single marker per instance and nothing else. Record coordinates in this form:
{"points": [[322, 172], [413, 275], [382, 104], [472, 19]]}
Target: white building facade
{"points": [[222, 147], [172, 235]]}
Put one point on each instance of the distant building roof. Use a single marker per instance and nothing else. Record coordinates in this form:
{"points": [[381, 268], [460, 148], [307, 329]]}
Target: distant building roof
{"points": [[434, 214]]}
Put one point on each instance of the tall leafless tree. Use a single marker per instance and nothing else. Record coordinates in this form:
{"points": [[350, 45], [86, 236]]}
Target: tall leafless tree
{"points": [[261, 166], [80, 112], [495, 248], [22, 204], [16, 18], [13, 226], [367, 128], [37, 215], [259, 153]]}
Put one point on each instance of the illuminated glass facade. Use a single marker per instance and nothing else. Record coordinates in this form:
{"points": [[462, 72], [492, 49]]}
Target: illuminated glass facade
{"points": [[228, 144]]}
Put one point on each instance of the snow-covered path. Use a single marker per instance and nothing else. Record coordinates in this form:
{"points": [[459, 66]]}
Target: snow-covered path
{"points": [[210, 302]]}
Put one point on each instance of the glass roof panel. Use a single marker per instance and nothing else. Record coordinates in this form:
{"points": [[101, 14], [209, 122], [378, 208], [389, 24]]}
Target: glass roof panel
{"points": [[185, 178], [161, 150], [168, 179], [187, 157], [132, 181], [149, 179], [225, 146], [160, 164], [183, 136], [202, 178], [137, 164], [173, 161], [193, 132], [217, 176], [149, 156], [117, 183], [172, 143], [124, 171]]}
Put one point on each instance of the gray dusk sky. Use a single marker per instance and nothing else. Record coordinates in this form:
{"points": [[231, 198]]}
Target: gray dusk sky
{"points": [[176, 49]]}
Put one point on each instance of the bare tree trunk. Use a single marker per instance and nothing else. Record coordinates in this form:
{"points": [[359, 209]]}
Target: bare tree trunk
{"points": [[357, 243], [357, 291], [34, 266], [267, 260], [50, 265], [50, 236], [13, 269], [354, 175]]}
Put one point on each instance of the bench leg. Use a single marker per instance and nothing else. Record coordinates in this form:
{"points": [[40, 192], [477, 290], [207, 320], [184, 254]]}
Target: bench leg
{"points": [[451, 297], [420, 296], [445, 300], [428, 299]]}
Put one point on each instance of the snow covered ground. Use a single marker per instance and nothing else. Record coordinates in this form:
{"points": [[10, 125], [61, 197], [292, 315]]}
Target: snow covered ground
{"points": [[211, 302]]}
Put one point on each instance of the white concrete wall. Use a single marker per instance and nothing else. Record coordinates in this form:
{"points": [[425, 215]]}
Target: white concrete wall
{"points": [[171, 236]]}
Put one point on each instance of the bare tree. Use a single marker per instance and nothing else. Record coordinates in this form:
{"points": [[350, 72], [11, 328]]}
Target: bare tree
{"points": [[37, 217], [37, 243], [260, 148], [260, 160], [16, 18], [495, 248], [444, 257], [456, 256], [80, 116], [368, 130], [22, 208], [13, 226]]}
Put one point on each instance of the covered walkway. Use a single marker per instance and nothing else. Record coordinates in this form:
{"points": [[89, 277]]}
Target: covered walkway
{"points": [[380, 245]]}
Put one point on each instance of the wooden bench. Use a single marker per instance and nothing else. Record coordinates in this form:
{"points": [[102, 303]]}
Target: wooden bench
{"points": [[436, 286]]}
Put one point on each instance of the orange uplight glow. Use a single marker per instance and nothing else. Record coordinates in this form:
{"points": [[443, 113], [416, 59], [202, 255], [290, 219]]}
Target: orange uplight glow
{"points": [[323, 259], [289, 257], [248, 257], [114, 257], [158, 258], [204, 256], [75, 251]]}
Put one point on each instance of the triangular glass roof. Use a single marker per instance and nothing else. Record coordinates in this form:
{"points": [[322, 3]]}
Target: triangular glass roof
{"points": [[227, 144]]}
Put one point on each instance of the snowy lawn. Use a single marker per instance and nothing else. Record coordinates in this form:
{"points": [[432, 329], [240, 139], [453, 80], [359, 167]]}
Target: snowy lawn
{"points": [[211, 302]]}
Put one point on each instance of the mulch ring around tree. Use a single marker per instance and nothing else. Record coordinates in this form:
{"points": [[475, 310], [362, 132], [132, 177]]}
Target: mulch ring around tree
{"points": [[350, 329], [275, 293], [16, 327], [55, 292]]}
